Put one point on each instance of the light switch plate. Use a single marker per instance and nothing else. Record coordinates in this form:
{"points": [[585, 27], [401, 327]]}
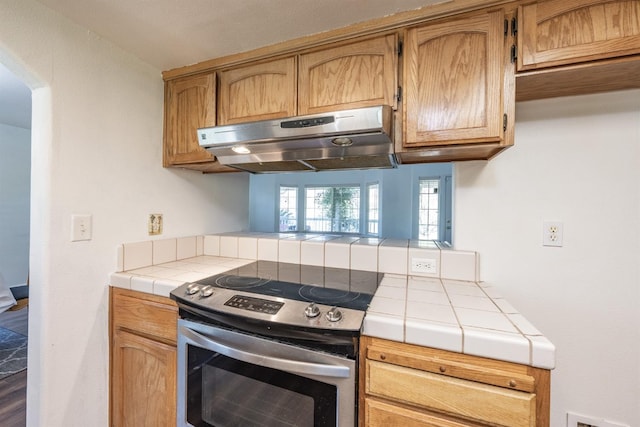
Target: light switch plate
{"points": [[80, 227]]}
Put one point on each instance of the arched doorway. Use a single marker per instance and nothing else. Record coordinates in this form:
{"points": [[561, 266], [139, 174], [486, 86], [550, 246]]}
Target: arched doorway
{"points": [[15, 194]]}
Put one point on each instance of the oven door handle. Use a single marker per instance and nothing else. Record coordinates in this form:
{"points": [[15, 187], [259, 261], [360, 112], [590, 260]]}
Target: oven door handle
{"points": [[293, 366]]}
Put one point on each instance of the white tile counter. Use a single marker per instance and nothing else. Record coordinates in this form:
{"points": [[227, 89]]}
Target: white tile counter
{"points": [[462, 316], [430, 295], [161, 279]]}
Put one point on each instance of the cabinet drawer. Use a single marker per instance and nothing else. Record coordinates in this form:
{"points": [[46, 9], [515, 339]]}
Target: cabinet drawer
{"points": [[468, 399], [380, 414], [145, 314]]}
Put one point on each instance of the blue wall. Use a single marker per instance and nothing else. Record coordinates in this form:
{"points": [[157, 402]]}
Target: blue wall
{"points": [[398, 194], [15, 204]]}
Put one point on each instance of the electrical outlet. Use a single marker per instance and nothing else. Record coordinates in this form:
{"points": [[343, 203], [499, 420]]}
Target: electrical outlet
{"points": [[424, 265], [577, 420], [155, 224], [80, 227], [552, 233], [608, 423]]}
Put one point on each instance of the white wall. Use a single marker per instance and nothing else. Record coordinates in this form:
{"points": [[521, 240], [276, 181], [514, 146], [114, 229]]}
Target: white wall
{"points": [[96, 137], [575, 160], [97, 149], [15, 173]]}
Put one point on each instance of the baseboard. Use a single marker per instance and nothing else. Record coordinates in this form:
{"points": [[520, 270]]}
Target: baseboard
{"points": [[20, 304]]}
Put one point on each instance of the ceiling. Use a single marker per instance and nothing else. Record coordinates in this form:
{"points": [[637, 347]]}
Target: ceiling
{"points": [[173, 33]]}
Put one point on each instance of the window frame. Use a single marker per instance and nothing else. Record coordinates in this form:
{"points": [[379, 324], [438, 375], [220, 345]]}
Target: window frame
{"points": [[367, 208], [441, 202], [279, 208], [363, 211], [303, 217]]}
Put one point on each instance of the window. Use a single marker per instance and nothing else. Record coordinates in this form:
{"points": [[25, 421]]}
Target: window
{"points": [[428, 227], [373, 209], [288, 208], [332, 209]]}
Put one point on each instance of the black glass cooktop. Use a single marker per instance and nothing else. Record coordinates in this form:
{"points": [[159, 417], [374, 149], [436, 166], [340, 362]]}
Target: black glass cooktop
{"points": [[322, 285]]}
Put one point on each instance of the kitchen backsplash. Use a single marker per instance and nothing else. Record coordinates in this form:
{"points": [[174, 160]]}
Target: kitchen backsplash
{"points": [[397, 256], [431, 294]]}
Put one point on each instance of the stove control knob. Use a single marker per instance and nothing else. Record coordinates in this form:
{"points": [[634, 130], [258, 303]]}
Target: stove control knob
{"points": [[312, 311], [192, 288], [207, 291], [334, 315]]}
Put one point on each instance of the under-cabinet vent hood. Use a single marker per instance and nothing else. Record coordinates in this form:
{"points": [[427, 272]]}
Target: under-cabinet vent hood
{"points": [[351, 139]]}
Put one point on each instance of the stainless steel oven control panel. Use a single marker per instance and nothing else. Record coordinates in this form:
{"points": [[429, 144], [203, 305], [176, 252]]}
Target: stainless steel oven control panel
{"points": [[269, 308], [259, 305]]}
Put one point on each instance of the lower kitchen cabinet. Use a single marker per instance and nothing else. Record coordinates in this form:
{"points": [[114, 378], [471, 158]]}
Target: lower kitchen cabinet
{"points": [[143, 359], [408, 385]]}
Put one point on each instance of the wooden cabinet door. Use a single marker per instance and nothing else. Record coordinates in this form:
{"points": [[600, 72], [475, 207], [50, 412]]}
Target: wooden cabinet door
{"points": [[558, 32], [454, 81], [190, 103], [356, 75], [258, 92], [143, 381]]}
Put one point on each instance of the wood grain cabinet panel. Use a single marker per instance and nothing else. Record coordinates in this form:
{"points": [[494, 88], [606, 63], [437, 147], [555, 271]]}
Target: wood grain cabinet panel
{"points": [[454, 81], [467, 399], [146, 316], [143, 359], [561, 32], [355, 75], [143, 382], [381, 414], [258, 92], [190, 104]]}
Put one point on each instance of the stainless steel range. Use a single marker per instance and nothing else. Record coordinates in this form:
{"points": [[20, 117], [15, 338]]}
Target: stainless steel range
{"points": [[271, 344]]}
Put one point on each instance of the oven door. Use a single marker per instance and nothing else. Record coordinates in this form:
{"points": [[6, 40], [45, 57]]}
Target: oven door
{"points": [[227, 378]]}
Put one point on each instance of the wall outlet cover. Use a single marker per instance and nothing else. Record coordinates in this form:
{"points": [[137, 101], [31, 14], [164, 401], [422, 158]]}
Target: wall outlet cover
{"points": [[81, 227], [578, 420], [155, 224], [424, 265], [552, 233]]}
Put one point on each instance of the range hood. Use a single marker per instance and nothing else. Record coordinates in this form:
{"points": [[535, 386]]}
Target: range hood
{"points": [[350, 139]]}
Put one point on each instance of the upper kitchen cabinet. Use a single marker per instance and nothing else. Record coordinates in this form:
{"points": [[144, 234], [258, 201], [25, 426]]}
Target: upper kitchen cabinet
{"points": [[261, 91], [458, 92], [561, 32], [354, 75], [575, 47], [190, 103]]}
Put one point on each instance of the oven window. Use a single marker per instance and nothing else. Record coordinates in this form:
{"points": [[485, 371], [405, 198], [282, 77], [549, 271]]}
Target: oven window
{"points": [[225, 392]]}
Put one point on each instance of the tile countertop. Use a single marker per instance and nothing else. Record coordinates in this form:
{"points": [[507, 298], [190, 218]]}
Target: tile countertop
{"points": [[446, 308]]}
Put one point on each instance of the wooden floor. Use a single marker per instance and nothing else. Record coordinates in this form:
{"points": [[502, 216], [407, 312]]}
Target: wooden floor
{"points": [[13, 389], [17, 321]]}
